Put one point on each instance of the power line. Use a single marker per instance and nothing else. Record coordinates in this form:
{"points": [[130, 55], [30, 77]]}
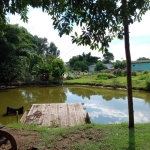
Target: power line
{"points": [[70, 51], [66, 48]]}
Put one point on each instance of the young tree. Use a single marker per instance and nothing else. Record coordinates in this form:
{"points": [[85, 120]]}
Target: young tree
{"points": [[58, 68]]}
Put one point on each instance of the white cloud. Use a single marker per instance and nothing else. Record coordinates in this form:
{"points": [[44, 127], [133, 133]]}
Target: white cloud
{"points": [[41, 24]]}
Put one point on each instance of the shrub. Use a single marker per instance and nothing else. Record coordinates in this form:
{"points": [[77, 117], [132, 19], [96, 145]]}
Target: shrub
{"points": [[134, 73], [69, 78], [105, 76], [144, 77], [117, 72], [123, 72], [147, 85], [146, 72], [106, 71]]}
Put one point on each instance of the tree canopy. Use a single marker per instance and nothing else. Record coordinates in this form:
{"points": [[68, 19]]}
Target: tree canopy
{"points": [[108, 57], [14, 43], [85, 59]]}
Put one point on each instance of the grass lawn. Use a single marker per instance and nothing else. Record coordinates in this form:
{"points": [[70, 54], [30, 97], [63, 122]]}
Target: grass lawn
{"points": [[89, 137], [138, 82]]}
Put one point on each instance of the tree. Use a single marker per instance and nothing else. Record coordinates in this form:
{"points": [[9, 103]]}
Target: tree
{"points": [[48, 58], [42, 70], [42, 45], [53, 50], [120, 64], [14, 58], [58, 68], [108, 57], [80, 65], [143, 58], [100, 66]]}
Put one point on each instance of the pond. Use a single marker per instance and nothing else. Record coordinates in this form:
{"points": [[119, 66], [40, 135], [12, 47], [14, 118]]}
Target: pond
{"points": [[103, 105]]}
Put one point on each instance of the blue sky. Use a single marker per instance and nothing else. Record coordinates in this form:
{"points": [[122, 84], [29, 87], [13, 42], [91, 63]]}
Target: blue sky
{"points": [[41, 24]]}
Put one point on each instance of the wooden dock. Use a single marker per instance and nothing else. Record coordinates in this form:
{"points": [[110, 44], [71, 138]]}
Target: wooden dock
{"points": [[55, 115]]}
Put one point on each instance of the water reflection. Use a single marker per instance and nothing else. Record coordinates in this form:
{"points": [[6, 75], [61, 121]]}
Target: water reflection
{"points": [[103, 105], [110, 106]]}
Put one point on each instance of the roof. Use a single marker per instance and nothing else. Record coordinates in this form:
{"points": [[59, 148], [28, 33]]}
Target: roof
{"points": [[141, 61], [92, 66]]}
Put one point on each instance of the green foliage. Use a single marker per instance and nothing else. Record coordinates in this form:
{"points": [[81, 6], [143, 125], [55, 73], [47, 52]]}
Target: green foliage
{"points": [[100, 66], [80, 65], [48, 58], [105, 76], [42, 70], [144, 77], [147, 85], [58, 68], [146, 72], [53, 50], [34, 60], [108, 57], [87, 58], [124, 72], [143, 58], [120, 65], [15, 41], [70, 78], [134, 73]]}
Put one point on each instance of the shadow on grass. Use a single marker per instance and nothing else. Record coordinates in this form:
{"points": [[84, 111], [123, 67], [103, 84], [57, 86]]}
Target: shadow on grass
{"points": [[131, 140]]}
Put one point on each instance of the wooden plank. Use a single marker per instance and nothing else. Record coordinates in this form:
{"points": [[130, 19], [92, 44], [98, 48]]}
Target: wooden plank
{"points": [[55, 114], [23, 118]]}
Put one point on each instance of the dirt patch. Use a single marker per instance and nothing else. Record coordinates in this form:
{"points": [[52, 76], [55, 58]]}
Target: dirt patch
{"points": [[27, 139]]}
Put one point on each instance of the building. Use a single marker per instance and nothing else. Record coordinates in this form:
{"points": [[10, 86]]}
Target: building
{"points": [[140, 65], [91, 68], [109, 66]]}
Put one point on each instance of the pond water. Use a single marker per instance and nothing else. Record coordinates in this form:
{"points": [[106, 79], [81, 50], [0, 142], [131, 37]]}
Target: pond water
{"points": [[103, 105]]}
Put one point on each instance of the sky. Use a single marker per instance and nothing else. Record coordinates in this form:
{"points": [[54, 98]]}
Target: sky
{"points": [[40, 24]]}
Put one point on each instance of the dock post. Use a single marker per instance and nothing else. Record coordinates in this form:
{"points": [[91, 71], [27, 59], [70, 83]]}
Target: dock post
{"points": [[17, 116]]}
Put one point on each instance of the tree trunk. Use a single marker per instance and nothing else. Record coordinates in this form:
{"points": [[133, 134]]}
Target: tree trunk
{"points": [[129, 81]]}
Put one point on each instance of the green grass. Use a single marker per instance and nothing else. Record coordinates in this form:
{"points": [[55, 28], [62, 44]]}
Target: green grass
{"points": [[94, 136], [139, 82]]}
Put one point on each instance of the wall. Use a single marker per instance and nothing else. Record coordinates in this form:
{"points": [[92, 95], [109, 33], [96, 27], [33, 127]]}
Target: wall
{"points": [[140, 66]]}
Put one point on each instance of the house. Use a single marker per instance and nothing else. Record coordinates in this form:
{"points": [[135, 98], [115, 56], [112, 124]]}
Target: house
{"points": [[109, 66], [140, 65], [91, 68]]}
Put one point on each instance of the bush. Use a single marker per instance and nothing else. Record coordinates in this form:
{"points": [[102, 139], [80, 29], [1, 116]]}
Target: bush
{"points": [[106, 71], [146, 72], [117, 72], [147, 85], [123, 72], [134, 73], [105, 76], [144, 77], [69, 78]]}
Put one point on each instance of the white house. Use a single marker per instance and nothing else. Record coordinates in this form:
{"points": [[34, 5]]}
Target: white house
{"points": [[109, 66], [91, 68]]}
